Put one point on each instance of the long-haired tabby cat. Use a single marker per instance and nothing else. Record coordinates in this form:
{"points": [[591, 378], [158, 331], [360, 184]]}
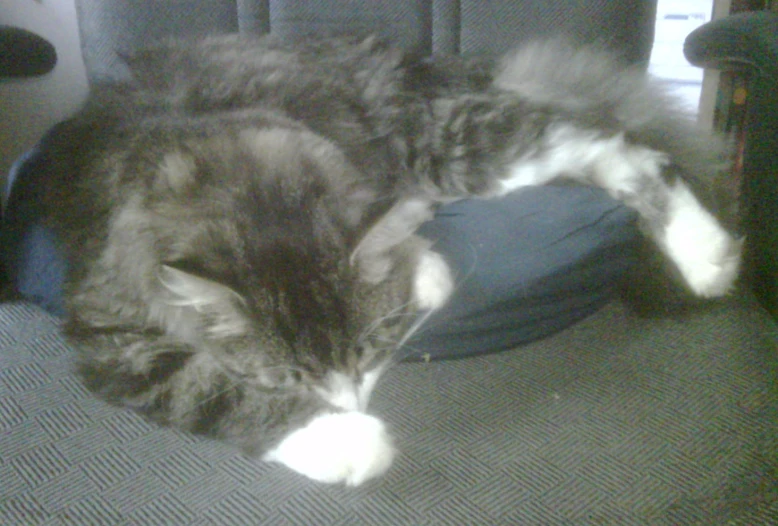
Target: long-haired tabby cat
{"points": [[239, 219]]}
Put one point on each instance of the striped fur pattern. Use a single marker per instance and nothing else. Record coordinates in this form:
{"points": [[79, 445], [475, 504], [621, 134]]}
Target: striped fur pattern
{"points": [[243, 263]]}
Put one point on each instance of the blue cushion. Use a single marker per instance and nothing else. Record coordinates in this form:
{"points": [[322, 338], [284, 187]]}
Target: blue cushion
{"points": [[32, 261], [527, 265]]}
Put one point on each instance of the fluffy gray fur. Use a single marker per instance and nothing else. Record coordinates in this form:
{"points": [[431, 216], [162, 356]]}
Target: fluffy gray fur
{"points": [[241, 232]]}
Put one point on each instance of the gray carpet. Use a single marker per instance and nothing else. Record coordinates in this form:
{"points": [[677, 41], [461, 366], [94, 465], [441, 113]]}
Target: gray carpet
{"points": [[616, 421]]}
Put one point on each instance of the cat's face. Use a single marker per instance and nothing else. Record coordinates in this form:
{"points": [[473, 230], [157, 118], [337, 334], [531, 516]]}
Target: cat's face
{"points": [[314, 333], [289, 286]]}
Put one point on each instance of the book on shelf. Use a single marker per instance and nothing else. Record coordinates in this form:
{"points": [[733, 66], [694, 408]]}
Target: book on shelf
{"points": [[731, 118], [730, 107]]}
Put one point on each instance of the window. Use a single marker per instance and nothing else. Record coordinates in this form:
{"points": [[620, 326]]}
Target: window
{"points": [[675, 20]]}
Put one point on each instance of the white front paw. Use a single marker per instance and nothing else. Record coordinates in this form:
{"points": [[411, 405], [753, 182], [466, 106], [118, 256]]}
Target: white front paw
{"points": [[433, 283], [340, 447]]}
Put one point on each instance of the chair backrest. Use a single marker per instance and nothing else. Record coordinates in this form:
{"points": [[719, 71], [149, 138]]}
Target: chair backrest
{"points": [[111, 27]]}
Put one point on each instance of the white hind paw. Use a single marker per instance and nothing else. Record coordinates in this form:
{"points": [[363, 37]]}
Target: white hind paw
{"points": [[339, 447], [714, 275], [707, 256]]}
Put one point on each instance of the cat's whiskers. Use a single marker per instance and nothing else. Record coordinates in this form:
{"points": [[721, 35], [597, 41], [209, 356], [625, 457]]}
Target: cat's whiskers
{"points": [[408, 351], [214, 395], [401, 343], [397, 312]]}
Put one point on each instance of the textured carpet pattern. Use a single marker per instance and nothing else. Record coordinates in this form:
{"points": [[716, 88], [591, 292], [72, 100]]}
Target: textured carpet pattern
{"points": [[615, 421]]}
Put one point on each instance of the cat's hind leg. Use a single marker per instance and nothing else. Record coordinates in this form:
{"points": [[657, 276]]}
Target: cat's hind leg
{"points": [[647, 180], [705, 253]]}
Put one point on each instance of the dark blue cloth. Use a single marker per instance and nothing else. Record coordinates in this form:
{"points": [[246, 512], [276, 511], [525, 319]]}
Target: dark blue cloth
{"points": [[32, 261], [527, 265]]}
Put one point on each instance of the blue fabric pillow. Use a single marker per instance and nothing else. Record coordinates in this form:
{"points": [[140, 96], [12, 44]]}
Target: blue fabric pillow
{"points": [[527, 265], [32, 261]]}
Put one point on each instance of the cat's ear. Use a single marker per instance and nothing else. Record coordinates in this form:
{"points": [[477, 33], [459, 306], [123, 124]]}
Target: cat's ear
{"points": [[206, 296], [372, 256]]}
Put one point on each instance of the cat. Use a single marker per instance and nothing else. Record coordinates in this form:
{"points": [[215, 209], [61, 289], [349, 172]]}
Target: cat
{"points": [[243, 262]]}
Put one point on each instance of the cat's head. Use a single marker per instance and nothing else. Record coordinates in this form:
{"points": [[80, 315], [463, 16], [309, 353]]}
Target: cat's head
{"points": [[275, 259]]}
